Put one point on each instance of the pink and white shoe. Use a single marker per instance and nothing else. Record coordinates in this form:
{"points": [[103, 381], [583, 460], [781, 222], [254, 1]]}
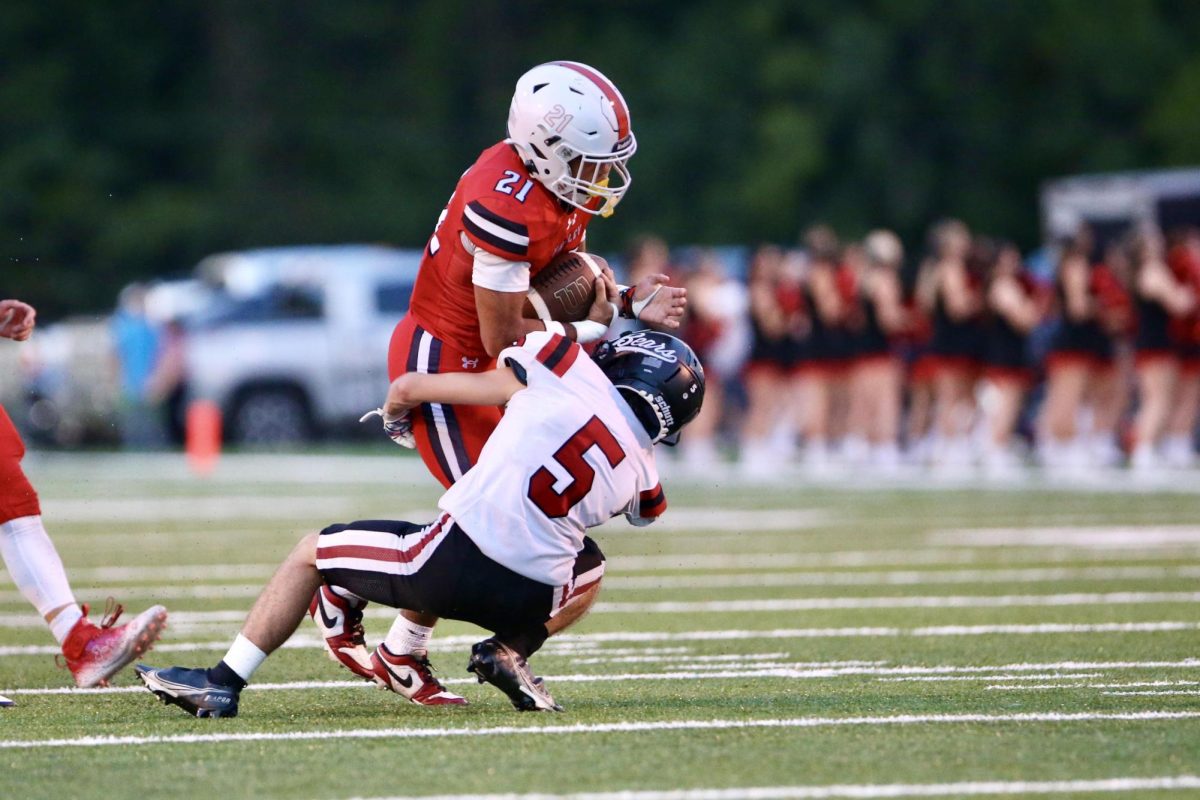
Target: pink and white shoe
{"points": [[411, 677], [339, 619], [94, 653]]}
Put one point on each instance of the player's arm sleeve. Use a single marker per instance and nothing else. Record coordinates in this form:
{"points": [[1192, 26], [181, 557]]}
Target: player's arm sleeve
{"points": [[646, 506], [496, 228], [497, 273]]}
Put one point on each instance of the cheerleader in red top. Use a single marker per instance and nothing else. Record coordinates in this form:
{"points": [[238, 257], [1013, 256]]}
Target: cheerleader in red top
{"points": [[1184, 261], [957, 340], [1159, 298], [1014, 308], [778, 323], [875, 373]]}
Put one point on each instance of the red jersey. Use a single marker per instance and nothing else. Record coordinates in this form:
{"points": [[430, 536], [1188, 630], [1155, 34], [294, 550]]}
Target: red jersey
{"points": [[499, 207]]}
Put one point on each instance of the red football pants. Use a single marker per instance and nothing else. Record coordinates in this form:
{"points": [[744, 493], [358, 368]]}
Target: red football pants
{"points": [[449, 438], [17, 497]]}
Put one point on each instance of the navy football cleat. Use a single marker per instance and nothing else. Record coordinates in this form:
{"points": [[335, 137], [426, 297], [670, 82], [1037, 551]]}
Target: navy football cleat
{"points": [[191, 690], [498, 664]]}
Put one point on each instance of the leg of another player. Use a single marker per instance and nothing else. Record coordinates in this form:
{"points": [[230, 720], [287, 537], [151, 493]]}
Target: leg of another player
{"points": [[93, 653], [275, 616]]}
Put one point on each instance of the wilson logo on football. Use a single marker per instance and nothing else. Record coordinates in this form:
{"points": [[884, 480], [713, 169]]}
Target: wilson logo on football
{"points": [[575, 293], [634, 342]]}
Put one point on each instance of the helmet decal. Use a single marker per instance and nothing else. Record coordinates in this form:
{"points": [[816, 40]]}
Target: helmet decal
{"points": [[639, 342], [659, 376]]}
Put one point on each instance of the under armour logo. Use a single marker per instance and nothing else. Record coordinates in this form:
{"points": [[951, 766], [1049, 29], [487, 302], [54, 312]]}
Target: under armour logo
{"points": [[470, 363]]}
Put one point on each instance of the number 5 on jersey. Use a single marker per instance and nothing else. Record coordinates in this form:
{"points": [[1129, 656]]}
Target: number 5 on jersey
{"points": [[571, 456]]}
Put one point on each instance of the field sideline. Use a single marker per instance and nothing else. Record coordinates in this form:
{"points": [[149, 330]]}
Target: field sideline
{"points": [[802, 639]]}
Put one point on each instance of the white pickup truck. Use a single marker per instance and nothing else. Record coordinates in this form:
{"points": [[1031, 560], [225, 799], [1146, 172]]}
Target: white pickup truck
{"points": [[295, 342]]}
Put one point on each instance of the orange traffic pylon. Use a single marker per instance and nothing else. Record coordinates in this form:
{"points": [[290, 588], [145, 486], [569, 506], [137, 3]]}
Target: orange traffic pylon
{"points": [[203, 436]]}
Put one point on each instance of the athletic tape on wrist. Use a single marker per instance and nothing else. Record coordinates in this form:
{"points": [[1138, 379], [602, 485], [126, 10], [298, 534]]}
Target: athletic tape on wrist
{"points": [[589, 331]]}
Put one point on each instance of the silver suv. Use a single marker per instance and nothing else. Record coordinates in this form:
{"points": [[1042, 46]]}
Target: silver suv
{"points": [[295, 342]]}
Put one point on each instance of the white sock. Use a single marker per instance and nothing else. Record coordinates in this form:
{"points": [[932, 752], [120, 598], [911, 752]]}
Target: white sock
{"points": [[244, 657], [408, 637], [38, 572], [64, 621]]}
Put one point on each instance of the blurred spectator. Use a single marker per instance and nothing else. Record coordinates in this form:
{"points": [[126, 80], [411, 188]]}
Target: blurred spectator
{"points": [[778, 326], [875, 373], [166, 386], [957, 342], [921, 363], [1077, 350], [1179, 445], [1013, 310], [715, 327], [1109, 389], [1160, 298], [137, 342], [824, 358]]}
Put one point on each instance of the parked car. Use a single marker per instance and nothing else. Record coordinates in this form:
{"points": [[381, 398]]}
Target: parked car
{"points": [[294, 341]]}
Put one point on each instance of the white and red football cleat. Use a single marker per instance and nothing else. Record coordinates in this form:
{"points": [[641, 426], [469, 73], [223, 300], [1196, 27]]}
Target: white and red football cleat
{"points": [[339, 619], [94, 653], [412, 677]]}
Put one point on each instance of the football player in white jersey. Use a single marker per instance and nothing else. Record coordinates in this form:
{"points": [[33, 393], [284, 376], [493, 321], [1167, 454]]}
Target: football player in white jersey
{"points": [[509, 550]]}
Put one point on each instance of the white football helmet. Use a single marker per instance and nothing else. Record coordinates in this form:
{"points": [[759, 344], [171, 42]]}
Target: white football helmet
{"points": [[571, 127]]}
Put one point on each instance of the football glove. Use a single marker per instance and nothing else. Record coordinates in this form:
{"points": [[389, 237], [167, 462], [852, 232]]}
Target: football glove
{"points": [[399, 429]]}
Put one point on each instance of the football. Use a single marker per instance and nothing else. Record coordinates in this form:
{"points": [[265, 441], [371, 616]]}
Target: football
{"points": [[563, 290]]}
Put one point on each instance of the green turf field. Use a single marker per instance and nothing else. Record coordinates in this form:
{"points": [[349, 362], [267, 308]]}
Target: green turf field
{"points": [[759, 642]]}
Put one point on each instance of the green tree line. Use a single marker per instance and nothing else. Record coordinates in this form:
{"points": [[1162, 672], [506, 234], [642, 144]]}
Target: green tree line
{"points": [[136, 137]]}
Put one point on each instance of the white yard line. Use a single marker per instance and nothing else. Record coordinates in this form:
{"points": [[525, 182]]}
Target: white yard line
{"points": [[1041, 687], [674, 563], [1054, 676], [951, 601], [963, 789], [899, 577], [566, 644], [181, 619], [793, 671], [739, 580], [614, 727], [1192, 692], [1111, 536]]}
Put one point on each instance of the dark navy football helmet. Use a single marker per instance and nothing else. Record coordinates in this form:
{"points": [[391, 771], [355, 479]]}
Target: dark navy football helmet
{"points": [[659, 376]]}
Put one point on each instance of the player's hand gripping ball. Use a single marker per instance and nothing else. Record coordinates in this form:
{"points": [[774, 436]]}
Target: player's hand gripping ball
{"points": [[564, 290]]}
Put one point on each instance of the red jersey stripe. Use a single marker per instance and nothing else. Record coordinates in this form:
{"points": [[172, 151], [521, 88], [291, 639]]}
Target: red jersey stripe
{"points": [[558, 354]]}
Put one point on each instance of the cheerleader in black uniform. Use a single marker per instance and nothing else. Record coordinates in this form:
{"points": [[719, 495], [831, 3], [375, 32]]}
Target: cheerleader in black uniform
{"points": [[1110, 381], [875, 373], [824, 356], [1013, 310], [957, 341], [1158, 297], [778, 324], [1076, 350], [1178, 448]]}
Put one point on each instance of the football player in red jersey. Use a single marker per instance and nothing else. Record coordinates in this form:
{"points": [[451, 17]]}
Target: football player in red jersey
{"points": [[93, 653], [523, 202]]}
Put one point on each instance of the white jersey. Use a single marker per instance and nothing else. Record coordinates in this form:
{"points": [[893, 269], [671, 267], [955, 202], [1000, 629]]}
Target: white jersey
{"points": [[567, 455]]}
